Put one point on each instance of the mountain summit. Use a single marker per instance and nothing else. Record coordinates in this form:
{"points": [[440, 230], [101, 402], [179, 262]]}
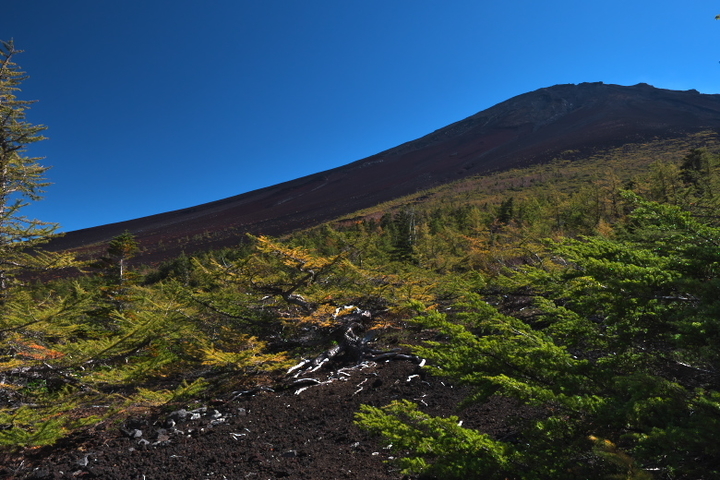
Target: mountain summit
{"points": [[531, 128]]}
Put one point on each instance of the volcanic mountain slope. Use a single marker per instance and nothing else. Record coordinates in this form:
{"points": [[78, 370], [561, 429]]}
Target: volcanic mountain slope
{"points": [[530, 128]]}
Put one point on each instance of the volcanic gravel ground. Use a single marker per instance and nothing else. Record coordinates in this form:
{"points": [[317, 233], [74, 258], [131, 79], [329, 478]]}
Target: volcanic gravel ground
{"points": [[293, 433]]}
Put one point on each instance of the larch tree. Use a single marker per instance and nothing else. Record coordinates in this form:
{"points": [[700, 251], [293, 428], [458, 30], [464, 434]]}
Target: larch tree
{"points": [[21, 179], [120, 250]]}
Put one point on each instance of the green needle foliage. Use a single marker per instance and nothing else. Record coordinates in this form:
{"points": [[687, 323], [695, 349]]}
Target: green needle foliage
{"points": [[440, 443], [620, 349], [21, 180]]}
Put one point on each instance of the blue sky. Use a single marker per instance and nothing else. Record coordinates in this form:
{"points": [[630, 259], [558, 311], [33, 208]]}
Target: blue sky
{"points": [[159, 105]]}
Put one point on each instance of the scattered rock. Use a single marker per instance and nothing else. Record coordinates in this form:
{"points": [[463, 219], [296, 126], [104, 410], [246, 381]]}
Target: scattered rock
{"points": [[310, 436], [178, 415]]}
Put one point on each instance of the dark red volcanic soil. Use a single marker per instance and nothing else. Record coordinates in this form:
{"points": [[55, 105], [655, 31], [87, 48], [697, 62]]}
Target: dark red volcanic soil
{"points": [[269, 435], [530, 128]]}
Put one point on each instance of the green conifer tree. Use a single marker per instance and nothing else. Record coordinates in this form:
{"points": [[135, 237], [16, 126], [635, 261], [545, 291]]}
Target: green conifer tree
{"points": [[617, 348], [21, 178], [120, 250]]}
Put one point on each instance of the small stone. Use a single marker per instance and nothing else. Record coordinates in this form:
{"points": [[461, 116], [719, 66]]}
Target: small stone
{"points": [[290, 454], [181, 414], [41, 473]]}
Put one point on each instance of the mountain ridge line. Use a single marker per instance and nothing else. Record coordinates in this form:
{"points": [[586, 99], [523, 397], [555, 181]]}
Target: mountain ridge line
{"points": [[530, 128]]}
